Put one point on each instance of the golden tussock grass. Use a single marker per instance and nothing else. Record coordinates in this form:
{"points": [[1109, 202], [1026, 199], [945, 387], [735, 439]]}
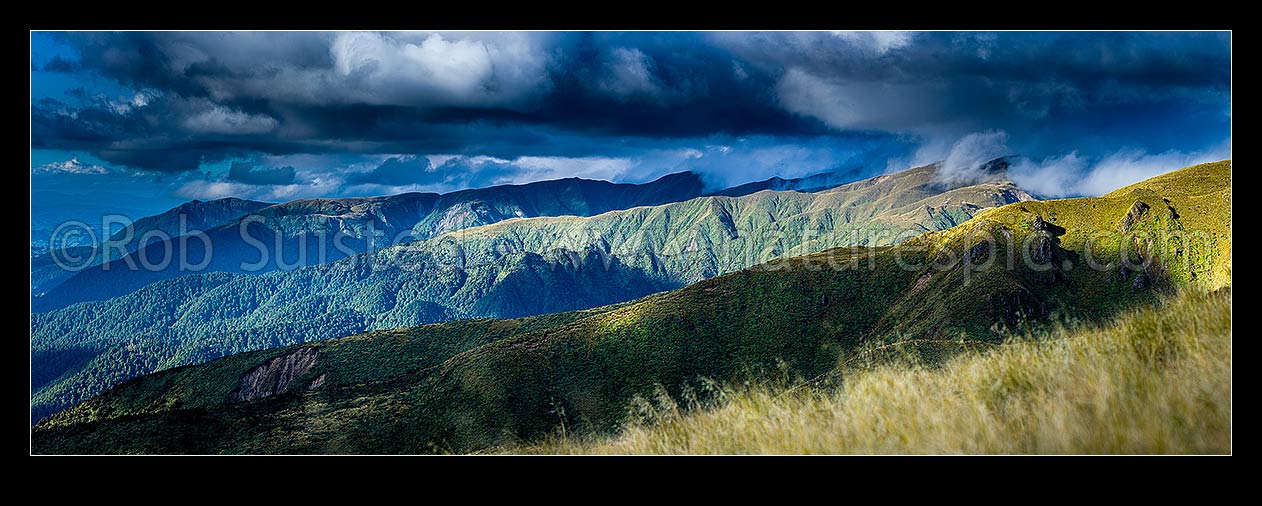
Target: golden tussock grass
{"points": [[1154, 380]]}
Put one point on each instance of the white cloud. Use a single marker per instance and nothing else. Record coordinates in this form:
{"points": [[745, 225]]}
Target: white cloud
{"points": [[553, 167], [448, 173], [1072, 175], [71, 166], [880, 42], [420, 69], [725, 161], [1054, 177], [963, 164], [124, 105], [1132, 166], [436, 160], [210, 190], [628, 73], [456, 67], [692, 154], [860, 105], [221, 120], [143, 98], [1065, 175], [414, 69]]}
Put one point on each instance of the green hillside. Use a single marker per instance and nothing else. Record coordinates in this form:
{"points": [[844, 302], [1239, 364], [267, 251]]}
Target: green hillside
{"points": [[413, 391], [518, 267], [1156, 380], [314, 231]]}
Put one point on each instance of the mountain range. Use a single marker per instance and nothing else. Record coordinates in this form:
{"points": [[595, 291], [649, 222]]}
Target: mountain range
{"points": [[306, 232], [512, 268], [809, 184], [475, 384], [188, 217]]}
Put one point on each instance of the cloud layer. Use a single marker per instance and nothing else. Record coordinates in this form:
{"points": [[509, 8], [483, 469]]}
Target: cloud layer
{"points": [[1074, 174], [307, 113], [248, 173]]}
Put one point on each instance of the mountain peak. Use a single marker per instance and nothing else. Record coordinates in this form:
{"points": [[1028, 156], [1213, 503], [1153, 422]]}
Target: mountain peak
{"points": [[808, 184], [678, 176], [957, 173], [197, 205], [998, 166]]}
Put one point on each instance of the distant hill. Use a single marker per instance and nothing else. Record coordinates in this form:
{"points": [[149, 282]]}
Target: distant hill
{"points": [[306, 232], [513, 268], [809, 184], [473, 384], [76, 207], [197, 215]]}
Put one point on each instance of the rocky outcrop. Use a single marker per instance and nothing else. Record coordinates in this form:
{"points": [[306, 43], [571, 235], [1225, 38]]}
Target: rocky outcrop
{"points": [[1137, 274], [1018, 306], [979, 253], [276, 375], [725, 219], [1140, 282], [1042, 250], [1037, 223], [1133, 215]]}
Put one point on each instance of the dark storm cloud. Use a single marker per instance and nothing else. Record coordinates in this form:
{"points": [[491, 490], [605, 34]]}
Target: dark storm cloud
{"points": [[480, 172], [250, 173], [962, 82], [128, 139], [59, 64], [398, 171], [501, 95], [663, 85], [204, 96], [454, 173]]}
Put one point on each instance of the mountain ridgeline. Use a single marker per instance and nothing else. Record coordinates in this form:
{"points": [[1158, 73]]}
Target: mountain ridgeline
{"points": [[313, 231], [476, 384], [188, 217], [510, 269], [809, 184]]}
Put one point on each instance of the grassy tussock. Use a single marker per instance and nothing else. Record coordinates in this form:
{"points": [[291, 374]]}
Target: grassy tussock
{"points": [[1155, 380]]}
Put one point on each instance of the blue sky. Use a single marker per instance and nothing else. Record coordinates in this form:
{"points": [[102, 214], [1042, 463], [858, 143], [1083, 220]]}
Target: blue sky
{"points": [[143, 121]]}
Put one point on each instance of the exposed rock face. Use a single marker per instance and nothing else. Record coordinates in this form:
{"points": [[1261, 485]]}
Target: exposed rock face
{"points": [[275, 376], [1045, 253], [1174, 215], [921, 283], [1041, 250], [1019, 306], [725, 218], [1037, 223], [1010, 195], [1137, 211], [1140, 282], [979, 253]]}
